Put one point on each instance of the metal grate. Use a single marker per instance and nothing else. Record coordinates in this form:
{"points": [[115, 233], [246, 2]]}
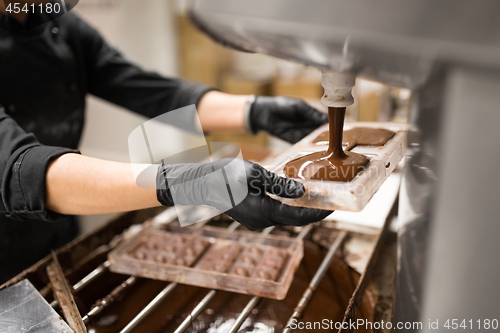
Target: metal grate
{"points": [[191, 313]]}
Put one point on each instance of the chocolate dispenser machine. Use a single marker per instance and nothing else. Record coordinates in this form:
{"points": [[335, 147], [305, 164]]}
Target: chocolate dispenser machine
{"points": [[448, 53]]}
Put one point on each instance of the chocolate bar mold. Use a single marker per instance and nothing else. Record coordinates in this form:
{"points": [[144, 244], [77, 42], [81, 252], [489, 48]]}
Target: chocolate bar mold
{"points": [[348, 196], [209, 257]]}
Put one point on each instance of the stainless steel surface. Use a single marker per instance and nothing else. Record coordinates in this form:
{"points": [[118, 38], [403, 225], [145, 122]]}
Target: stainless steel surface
{"points": [[309, 292], [417, 199], [22, 298], [388, 40], [465, 212], [447, 210]]}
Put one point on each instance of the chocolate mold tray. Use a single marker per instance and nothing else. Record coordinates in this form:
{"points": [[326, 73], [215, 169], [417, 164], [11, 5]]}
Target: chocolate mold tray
{"points": [[241, 262], [348, 196]]}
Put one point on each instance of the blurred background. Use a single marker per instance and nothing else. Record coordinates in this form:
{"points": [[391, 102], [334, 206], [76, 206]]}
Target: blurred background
{"points": [[157, 35]]}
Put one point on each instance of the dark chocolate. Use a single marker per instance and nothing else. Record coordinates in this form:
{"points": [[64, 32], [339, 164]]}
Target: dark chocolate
{"points": [[333, 164]]}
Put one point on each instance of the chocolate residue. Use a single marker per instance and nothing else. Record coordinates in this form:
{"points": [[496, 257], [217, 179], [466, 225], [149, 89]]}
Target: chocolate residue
{"points": [[333, 164], [365, 136], [362, 136], [329, 302]]}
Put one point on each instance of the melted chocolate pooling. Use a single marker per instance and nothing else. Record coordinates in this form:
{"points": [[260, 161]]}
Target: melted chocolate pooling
{"points": [[333, 164]]}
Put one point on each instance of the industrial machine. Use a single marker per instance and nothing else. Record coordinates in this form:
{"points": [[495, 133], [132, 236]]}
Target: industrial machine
{"points": [[448, 53]]}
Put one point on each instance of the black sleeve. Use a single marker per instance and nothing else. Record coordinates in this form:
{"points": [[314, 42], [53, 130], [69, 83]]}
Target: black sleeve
{"points": [[23, 164], [116, 79]]}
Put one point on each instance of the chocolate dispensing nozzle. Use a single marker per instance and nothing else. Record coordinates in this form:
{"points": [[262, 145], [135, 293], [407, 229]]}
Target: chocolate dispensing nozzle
{"points": [[338, 89], [333, 164]]}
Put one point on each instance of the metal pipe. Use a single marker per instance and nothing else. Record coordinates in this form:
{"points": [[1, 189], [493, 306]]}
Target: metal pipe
{"points": [[255, 300], [91, 276], [87, 279], [196, 311], [318, 276], [149, 308], [109, 299], [304, 232], [233, 226], [267, 230], [244, 314]]}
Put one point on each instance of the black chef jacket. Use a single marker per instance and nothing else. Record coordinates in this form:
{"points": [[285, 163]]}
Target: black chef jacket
{"points": [[45, 72]]}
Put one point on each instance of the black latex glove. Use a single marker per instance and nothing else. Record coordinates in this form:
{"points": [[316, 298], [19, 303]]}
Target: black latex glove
{"points": [[286, 118], [255, 210]]}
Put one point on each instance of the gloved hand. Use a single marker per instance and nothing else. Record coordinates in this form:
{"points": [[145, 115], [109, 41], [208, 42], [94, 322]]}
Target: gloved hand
{"points": [[236, 187], [286, 118]]}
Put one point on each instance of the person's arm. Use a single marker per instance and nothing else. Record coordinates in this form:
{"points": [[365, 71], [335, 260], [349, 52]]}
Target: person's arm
{"points": [[221, 112], [112, 77], [41, 182], [82, 185], [23, 164]]}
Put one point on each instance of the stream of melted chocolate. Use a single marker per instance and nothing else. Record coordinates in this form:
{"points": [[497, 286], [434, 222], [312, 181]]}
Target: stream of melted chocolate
{"points": [[334, 164]]}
